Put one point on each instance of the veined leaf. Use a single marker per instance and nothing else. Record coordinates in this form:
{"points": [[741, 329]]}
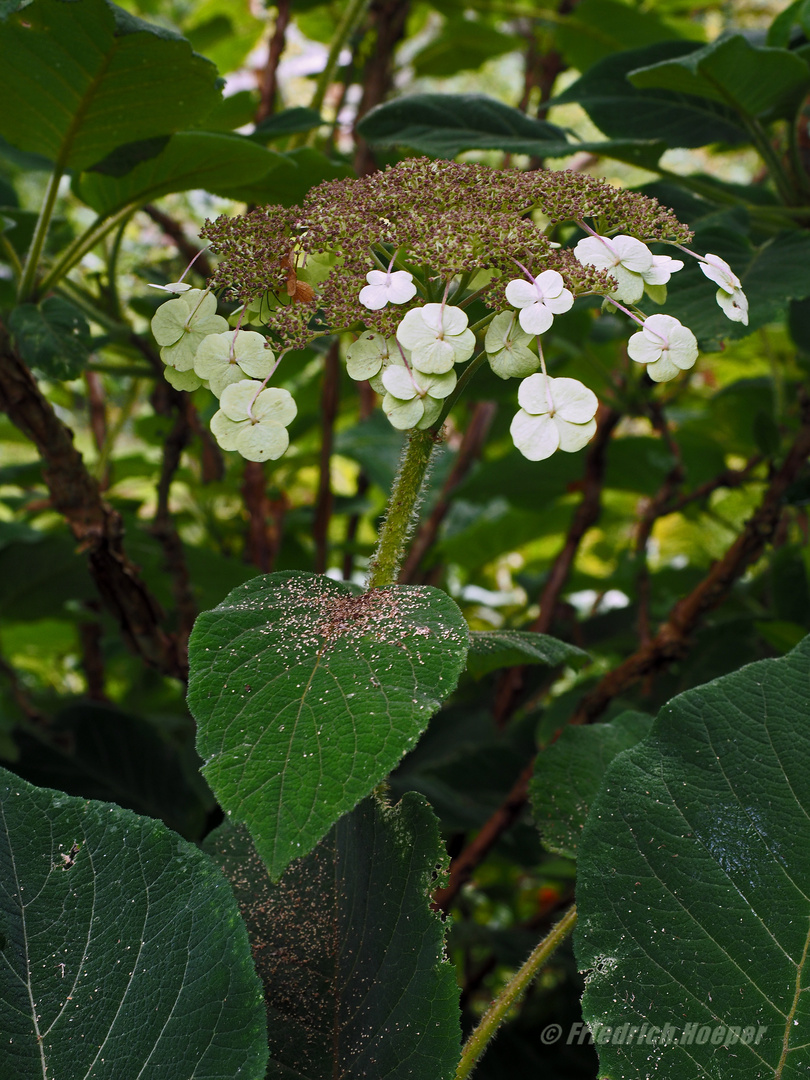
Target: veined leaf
{"points": [[122, 952], [52, 337], [79, 79], [693, 885], [493, 649], [307, 695], [351, 957]]}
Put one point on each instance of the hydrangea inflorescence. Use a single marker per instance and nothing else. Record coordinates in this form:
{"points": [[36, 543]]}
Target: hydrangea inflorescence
{"points": [[397, 258]]}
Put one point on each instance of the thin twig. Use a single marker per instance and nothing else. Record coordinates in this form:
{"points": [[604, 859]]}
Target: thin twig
{"points": [[324, 500], [388, 25], [268, 80]]}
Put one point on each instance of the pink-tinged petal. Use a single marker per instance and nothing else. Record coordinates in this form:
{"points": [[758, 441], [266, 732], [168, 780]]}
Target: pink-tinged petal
{"points": [[536, 437], [573, 402], [574, 436], [536, 318]]}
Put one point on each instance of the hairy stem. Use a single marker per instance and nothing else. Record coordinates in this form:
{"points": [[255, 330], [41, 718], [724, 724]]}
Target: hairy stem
{"points": [[402, 507], [511, 994]]}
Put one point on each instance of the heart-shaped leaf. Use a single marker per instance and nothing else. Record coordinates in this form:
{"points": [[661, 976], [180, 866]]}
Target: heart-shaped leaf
{"points": [[79, 79], [693, 886], [306, 695], [122, 952], [351, 957]]}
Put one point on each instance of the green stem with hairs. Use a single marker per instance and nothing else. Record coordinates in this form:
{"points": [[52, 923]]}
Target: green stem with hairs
{"points": [[511, 994], [26, 284], [401, 508]]}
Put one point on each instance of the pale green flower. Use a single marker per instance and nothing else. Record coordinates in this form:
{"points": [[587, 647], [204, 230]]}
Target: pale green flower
{"points": [[227, 358], [412, 398], [507, 347], [181, 325], [555, 414], [437, 337], [370, 355], [253, 421]]}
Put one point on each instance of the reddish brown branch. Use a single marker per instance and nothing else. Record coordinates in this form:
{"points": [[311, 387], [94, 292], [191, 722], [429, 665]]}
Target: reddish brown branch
{"points": [[97, 527], [468, 453], [673, 638], [268, 81], [388, 21]]}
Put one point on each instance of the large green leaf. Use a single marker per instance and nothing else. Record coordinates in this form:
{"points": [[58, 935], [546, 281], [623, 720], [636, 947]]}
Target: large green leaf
{"points": [[568, 774], [79, 79], [306, 695], [122, 952], [693, 885], [624, 111], [493, 649], [351, 957], [191, 159], [289, 186], [462, 45], [748, 79]]}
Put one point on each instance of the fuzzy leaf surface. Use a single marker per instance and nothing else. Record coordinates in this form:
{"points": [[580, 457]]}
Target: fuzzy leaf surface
{"points": [[122, 952], [350, 955], [307, 695], [693, 879]]}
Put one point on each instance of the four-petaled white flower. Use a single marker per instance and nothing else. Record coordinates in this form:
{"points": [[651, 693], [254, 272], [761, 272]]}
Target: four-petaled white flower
{"points": [[539, 300], [398, 287], [629, 261], [437, 336], [555, 414], [254, 421], [507, 348], [227, 358], [730, 296], [665, 346]]}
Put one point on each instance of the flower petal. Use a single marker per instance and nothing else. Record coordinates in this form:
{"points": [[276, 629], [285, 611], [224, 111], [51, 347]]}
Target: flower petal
{"points": [[574, 436], [573, 402], [536, 437]]}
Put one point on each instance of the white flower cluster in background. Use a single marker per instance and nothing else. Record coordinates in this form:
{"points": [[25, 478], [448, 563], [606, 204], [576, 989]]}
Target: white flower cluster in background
{"points": [[199, 349]]}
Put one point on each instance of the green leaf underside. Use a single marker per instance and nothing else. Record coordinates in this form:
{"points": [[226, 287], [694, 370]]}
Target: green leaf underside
{"points": [[306, 696], [750, 80], [568, 775], [73, 90], [192, 159], [351, 957], [132, 961], [493, 649], [693, 885]]}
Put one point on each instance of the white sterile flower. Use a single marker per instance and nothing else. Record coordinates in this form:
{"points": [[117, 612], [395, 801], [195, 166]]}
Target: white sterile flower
{"points": [[227, 358], [253, 421], [370, 355], [172, 287], [437, 337], [555, 414], [507, 347], [398, 287], [181, 325], [539, 300], [665, 346], [627, 260], [730, 296], [413, 398]]}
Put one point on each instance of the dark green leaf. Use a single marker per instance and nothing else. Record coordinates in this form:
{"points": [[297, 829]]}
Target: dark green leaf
{"points": [[234, 111], [750, 80], [52, 337], [307, 695], [569, 773], [462, 45], [350, 954], [38, 579], [693, 865], [123, 953], [126, 157], [493, 649], [75, 85], [289, 186], [624, 111], [287, 122], [597, 28], [192, 159]]}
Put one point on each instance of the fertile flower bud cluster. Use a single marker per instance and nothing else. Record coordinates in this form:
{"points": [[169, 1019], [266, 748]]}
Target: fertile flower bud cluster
{"points": [[398, 259]]}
